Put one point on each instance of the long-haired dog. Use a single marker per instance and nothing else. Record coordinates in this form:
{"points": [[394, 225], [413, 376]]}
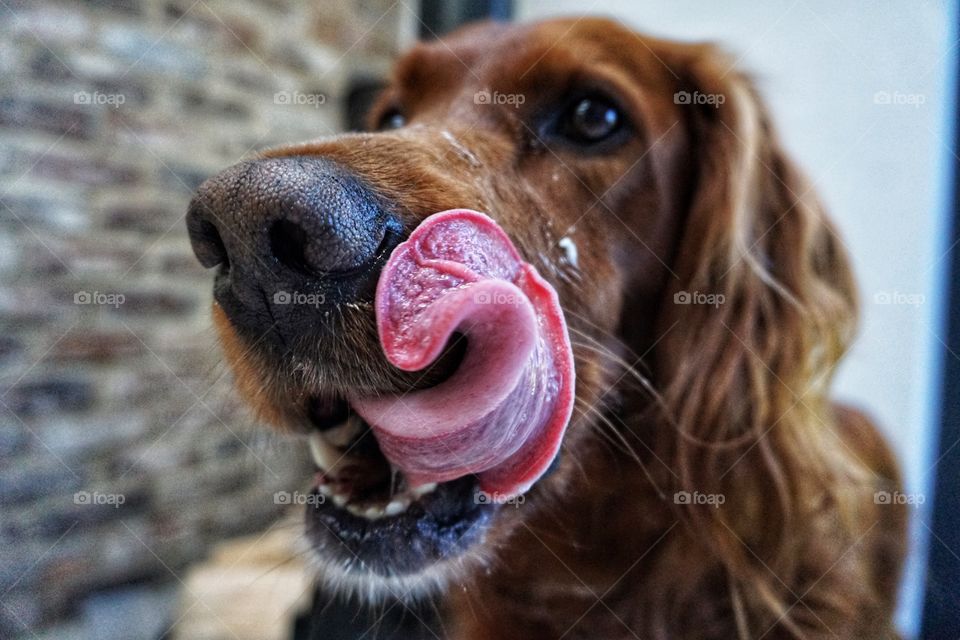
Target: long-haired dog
{"points": [[706, 486]]}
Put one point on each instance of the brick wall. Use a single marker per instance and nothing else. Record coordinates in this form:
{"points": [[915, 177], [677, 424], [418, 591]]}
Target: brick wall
{"points": [[111, 385]]}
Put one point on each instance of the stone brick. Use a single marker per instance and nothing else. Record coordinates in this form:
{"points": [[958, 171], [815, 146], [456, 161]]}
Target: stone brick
{"points": [[10, 348], [194, 101], [219, 480], [44, 476], [74, 438], [20, 614], [133, 7], [158, 302], [69, 121], [135, 94], [140, 48], [49, 518], [201, 25], [47, 66], [13, 439], [51, 24], [96, 345], [23, 307], [181, 263], [144, 217], [130, 613], [88, 256], [34, 398], [44, 212], [10, 54], [81, 170]]}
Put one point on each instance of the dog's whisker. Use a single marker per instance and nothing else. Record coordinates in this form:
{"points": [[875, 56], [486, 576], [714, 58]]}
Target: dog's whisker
{"points": [[575, 456], [602, 349], [606, 333], [620, 442]]}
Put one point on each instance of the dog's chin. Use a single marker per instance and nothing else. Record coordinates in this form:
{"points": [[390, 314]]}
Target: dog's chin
{"points": [[334, 578], [439, 538]]}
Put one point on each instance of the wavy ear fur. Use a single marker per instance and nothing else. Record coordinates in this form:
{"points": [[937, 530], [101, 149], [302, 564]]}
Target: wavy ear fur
{"points": [[762, 310]]}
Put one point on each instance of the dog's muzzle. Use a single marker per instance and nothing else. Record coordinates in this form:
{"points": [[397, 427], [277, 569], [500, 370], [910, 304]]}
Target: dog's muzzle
{"points": [[291, 237]]}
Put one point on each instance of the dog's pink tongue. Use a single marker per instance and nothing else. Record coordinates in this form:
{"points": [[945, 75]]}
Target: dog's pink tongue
{"points": [[502, 414]]}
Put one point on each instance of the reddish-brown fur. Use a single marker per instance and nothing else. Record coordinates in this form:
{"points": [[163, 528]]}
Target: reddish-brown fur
{"points": [[728, 399]]}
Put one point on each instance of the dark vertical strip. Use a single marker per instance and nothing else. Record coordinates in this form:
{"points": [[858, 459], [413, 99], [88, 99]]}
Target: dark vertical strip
{"points": [[436, 18], [941, 608], [440, 16]]}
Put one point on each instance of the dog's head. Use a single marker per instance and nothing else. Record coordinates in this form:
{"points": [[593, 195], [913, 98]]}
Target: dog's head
{"points": [[639, 177]]}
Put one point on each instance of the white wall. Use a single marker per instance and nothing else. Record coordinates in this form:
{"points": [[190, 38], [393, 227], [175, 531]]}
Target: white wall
{"points": [[882, 169]]}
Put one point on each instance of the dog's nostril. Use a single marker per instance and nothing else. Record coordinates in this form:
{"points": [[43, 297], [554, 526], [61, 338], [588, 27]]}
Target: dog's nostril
{"points": [[208, 245], [288, 244]]}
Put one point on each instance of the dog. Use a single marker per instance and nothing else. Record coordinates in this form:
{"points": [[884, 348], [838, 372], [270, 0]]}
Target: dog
{"points": [[706, 486]]}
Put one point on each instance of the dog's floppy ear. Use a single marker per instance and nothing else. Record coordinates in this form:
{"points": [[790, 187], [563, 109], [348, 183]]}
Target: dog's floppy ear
{"points": [[761, 309]]}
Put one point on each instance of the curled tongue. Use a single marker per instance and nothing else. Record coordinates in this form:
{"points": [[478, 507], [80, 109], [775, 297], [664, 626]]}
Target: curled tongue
{"points": [[502, 413]]}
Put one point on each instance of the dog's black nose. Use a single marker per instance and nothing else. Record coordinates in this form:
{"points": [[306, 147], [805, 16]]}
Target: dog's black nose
{"points": [[289, 234]]}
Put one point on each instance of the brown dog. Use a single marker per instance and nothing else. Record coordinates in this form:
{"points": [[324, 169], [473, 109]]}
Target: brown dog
{"points": [[707, 487]]}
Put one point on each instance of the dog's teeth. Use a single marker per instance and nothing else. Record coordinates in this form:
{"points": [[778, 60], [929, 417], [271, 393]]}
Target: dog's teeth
{"points": [[346, 433], [373, 513], [395, 507], [424, 489], [339, 500], [325, 490], [325, 455]]}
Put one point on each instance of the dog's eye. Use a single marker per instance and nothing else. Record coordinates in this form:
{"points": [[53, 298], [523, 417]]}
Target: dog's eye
{"points": [[392, 119], [591, 120]]}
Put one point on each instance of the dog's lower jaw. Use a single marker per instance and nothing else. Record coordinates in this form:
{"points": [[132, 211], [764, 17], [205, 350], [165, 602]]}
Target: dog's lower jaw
{"points": [[350, 580]]}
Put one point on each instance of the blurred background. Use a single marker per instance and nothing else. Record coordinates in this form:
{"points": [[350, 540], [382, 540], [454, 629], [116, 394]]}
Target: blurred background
{"points": [[123, 454]]}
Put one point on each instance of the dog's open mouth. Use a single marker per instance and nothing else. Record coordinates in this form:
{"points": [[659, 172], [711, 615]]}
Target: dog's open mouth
{"points": [[418, 469], [366, 514]]}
